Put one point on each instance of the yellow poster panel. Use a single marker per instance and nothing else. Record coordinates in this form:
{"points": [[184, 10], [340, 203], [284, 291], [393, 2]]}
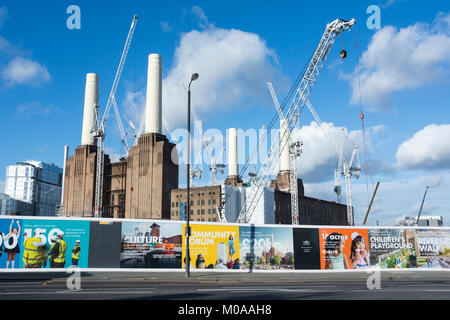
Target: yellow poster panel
{"points": [[212, 247]]}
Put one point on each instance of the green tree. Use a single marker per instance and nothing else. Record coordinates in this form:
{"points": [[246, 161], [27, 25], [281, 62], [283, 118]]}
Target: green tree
{"points": [[275, 259], [262, 260], [291, 260]]}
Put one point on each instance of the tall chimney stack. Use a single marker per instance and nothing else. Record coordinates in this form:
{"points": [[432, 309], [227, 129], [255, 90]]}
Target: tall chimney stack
{"points": [[90, 103], [285, 165], [153, 104], [232, 153]]}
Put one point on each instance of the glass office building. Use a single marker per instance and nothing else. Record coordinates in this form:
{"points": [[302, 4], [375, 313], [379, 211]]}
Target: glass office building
{"points": [[37, 183]]}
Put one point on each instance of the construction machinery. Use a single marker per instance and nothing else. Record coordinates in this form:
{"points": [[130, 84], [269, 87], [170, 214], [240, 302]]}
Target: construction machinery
{"points": [[371, 201], [303, 91], [421, 206], [351, 169], [100, 125]]}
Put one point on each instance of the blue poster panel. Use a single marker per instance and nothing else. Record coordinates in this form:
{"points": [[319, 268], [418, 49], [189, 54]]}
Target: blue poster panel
{"points": [[266, 248], [10, 238], [69, 231], [151, 244]]}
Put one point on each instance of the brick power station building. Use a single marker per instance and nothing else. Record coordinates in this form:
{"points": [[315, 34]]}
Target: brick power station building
{"points": [[145, 184]]}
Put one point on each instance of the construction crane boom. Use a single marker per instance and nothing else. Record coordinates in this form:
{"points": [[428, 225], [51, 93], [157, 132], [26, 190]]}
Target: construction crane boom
{"points": [[302, 94], [99, 132]]}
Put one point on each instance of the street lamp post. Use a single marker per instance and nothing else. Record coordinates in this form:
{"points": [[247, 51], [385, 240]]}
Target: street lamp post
{"points": [[188, 228]]}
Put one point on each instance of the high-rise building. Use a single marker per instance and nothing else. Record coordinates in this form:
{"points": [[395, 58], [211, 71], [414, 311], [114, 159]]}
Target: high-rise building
{"points": [[37, 183]]}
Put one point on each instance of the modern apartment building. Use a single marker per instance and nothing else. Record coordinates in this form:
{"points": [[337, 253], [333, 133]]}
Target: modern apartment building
{"points": [[37, 183]]}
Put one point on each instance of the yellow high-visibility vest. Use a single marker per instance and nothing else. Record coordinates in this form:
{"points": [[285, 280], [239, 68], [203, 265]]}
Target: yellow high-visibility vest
{"points": [[51, 247], [61, 252], [76, 255], [33, 254]]}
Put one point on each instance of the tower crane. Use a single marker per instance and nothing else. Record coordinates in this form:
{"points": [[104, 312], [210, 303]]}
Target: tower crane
{"points": [[309, 79], [351, 169], [99, 131]]}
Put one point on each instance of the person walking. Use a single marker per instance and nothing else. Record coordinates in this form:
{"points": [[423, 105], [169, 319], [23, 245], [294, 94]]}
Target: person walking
{"points": [[60, 260], [76, 253], [34, 255]]}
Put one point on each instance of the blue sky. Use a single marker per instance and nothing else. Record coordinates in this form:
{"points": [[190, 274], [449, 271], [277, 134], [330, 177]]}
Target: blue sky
{"points": [[404, 81]]}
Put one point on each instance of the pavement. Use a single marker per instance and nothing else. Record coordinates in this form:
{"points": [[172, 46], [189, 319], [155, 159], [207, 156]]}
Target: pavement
{"points": [[223, 286]]}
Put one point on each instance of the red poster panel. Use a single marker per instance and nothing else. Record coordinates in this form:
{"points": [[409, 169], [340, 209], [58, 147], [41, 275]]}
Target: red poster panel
{"points": [[344, 249]]}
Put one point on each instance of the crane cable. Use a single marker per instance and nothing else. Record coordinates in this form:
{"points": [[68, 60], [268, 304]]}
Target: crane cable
{"points": [[362, 119]]}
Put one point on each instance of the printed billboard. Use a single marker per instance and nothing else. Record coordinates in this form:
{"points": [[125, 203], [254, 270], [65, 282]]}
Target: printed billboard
{"points": [[266, 248], [47, 230], [10, 238], [213, 246], [151, 244], [393, 248], [344, 249], [433, 248], [306, 248]]}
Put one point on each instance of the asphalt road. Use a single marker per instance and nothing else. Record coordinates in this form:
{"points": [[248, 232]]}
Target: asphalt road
{"points": [[385, 285]]}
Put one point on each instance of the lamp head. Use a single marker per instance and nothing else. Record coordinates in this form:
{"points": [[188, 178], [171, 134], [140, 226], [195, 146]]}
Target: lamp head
{"points": [[194, 76]]}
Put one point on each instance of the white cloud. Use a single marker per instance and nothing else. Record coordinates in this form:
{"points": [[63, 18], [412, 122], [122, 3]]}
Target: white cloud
{"points": [[33, 109], [394, 198], [233, 65], [398, 60], [428, 149], [320, 146], [25, 71]]}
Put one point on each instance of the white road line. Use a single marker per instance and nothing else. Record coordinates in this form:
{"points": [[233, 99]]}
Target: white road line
{"points": [[262, 289], [438, 290], [74, 292]]}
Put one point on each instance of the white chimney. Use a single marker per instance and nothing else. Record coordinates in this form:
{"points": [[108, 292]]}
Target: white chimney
{"points": [[284, 146], [232, 153], [153, 105], [90, 103], [66, 157]]}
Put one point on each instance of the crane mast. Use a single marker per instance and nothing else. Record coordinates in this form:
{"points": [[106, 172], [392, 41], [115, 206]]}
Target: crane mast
{"points": [[302, 94], [99, 132]]}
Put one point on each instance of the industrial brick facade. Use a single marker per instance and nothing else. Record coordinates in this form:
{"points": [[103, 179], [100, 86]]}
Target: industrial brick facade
{"points": [[204, 202], [135, 188]]}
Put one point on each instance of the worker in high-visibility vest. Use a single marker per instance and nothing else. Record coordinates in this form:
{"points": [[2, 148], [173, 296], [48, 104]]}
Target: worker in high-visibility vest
{"points": [[34, 254], [53, 251], [76, 253], [60, 260]]}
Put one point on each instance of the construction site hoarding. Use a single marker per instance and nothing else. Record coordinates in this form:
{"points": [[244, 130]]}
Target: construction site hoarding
{"points": [[151, 244], [161, 244], [212, 246], [266, 248], [16, 232], [344, 248]]}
